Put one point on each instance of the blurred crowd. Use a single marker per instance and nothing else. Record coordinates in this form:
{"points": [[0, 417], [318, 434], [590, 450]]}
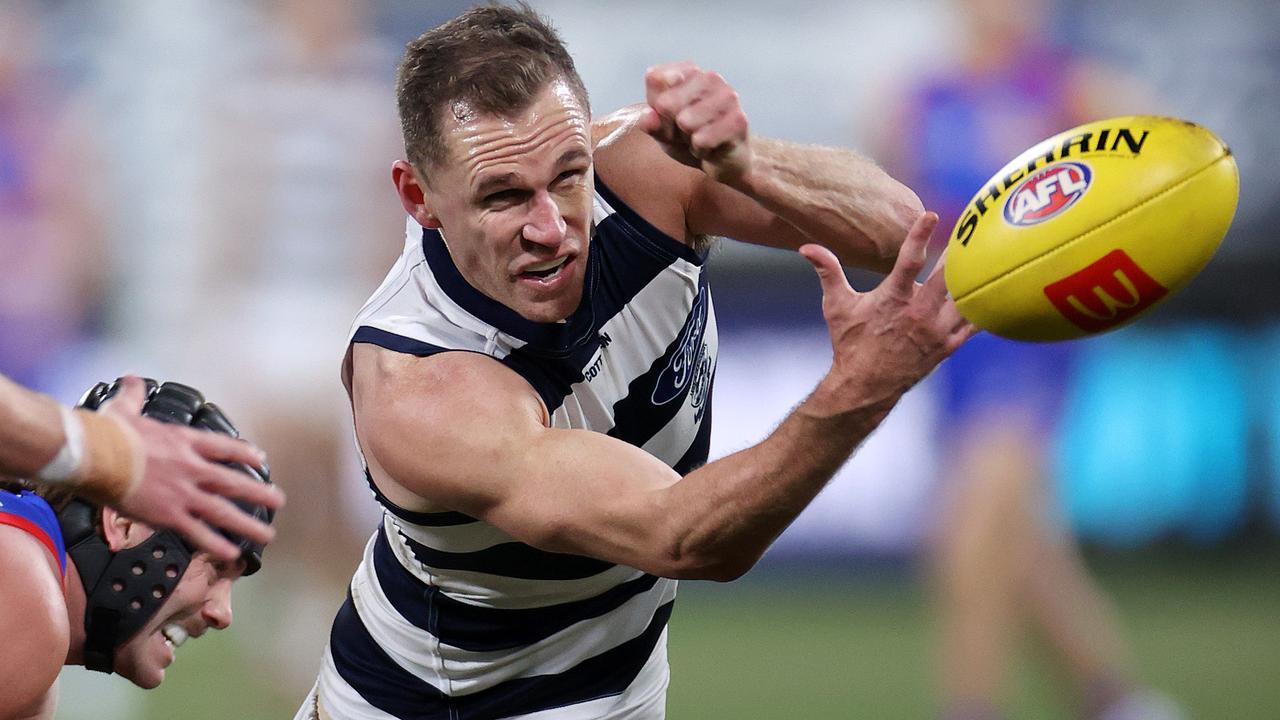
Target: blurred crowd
{"points": [[200, 191]]}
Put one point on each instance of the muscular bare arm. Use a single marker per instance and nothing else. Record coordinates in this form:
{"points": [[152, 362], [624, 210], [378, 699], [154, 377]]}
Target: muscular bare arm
{"points": [[686, 160], [831, 196], [461, 432]]}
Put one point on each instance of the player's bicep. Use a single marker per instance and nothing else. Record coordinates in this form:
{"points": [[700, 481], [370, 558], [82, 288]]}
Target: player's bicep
{"points": [[467, 434], [586, 493], [437, 426]]}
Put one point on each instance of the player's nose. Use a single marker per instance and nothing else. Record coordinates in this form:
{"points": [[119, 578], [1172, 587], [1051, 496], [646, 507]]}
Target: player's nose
{"points": [[545, 225], [216, 610]]}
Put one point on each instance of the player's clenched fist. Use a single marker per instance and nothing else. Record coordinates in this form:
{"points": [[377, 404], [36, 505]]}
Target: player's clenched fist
{"points": [[698, 119]]}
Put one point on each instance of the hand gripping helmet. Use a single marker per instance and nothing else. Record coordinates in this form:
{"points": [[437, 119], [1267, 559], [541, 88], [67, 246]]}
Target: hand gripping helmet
{"points": [[124, 589]]}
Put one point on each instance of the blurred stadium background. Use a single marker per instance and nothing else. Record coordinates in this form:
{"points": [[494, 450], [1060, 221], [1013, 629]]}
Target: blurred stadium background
{"points": [[199, 191]]}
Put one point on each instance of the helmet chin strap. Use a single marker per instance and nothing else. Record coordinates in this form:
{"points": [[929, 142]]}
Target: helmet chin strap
{"points": [[123, 590]]}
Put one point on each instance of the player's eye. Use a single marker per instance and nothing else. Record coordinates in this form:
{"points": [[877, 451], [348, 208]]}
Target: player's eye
{"points": [[569, 175], [510, 196]]}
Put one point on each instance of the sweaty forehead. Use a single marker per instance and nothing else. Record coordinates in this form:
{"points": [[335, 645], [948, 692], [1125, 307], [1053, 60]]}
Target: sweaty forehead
{"points": [[554, 122]]}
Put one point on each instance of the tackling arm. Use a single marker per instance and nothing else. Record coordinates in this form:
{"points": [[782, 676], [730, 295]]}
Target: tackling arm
{"points": [[30, 429]]}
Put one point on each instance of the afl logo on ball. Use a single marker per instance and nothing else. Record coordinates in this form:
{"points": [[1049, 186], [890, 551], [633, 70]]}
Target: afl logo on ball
{"points": [[1047, 194]]}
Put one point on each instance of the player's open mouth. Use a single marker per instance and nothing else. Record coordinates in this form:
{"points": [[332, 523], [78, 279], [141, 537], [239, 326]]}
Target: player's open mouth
{"points": [[546, 272], [174, 635]]}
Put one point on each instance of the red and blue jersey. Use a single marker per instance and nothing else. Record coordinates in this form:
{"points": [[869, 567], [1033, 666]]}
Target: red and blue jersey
{"points": [[30, 512]]}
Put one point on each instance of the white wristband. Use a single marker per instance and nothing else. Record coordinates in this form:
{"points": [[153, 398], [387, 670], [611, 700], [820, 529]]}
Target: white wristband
{"points": [[66, 463]]}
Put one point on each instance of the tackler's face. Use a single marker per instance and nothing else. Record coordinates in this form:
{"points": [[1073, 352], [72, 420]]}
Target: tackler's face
{"points": [[200, 601], [514, 202]]}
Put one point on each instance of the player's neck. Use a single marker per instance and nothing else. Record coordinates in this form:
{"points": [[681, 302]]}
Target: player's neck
{"points": [[74, 594]]}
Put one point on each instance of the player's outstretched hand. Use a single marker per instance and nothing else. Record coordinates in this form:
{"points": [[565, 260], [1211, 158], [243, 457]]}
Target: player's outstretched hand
{"points": [[184, 486], [886, 340], [697, 118]]}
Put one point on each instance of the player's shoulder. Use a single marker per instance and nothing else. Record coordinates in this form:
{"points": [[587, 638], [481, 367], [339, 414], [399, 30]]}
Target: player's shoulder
{"points": [[28, 574], [620, 125], [425, 422], [34, 629], [451, 389], [637, 170]]}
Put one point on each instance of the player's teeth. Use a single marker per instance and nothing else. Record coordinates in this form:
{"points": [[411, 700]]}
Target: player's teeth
{"points": [[541, 267], [174, 634]]}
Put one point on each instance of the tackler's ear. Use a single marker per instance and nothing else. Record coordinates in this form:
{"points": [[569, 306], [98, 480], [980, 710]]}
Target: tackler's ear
{"points": [[411, 187]]}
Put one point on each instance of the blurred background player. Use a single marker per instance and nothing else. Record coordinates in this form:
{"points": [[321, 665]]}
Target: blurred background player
{"points": [[83, 584], [1003, 560]]}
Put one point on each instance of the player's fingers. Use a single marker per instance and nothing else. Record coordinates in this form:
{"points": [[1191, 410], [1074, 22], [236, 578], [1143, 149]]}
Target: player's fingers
{"points": [[662, 128], [222, 513], [130, 396], [235, 484], [949, 317], [830, 274], [224, 448], [207, 539], [660, 79], [706, 110], [935, 286], [911, 256], [694, 88], [663, 76], [961, 335], [650, 121], [724, 133]]}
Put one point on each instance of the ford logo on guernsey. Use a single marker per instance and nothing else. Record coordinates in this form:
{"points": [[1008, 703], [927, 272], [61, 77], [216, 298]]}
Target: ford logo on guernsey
{"points": [[1047, 193], [688, 359]]}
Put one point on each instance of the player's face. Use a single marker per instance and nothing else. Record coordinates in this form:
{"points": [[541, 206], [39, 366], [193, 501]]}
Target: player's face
{"points": [[514, 202], [200, 601]]}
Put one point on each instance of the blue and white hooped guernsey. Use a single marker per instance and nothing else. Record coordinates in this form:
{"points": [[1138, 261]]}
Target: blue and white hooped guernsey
{"points": [[449, 617]]}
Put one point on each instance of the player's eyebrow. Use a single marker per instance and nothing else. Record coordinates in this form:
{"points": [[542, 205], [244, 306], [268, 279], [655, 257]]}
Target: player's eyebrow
{"points": [[505, 180], [496, 182], [573, 155]]}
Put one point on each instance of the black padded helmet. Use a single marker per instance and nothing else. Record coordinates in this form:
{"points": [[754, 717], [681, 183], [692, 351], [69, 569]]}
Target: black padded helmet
{"points": [[125, 589]]}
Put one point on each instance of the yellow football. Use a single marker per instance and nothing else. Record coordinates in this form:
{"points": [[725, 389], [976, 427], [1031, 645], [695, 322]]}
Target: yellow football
{"points": [[1091, 227]]}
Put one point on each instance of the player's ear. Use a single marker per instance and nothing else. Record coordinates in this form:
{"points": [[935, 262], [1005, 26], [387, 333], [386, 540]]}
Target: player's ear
{"points": [[412, 189], [122, 532]]}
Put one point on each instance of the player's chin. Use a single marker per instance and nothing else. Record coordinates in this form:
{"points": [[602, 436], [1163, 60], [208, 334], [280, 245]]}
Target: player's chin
{"points": [[144, 677], [151, 680], [549, 300], [144, 665], [541, 305]]}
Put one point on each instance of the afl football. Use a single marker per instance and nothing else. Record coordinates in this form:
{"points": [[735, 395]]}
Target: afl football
{"points": [[1092, 227]]}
